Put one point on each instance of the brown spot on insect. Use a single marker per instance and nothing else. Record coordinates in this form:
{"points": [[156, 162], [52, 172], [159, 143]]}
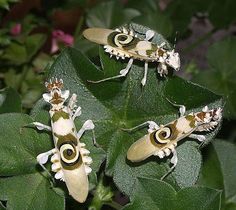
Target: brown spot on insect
{"points": [[54, 84], [201, 115], [191, 119], [160, 52]]}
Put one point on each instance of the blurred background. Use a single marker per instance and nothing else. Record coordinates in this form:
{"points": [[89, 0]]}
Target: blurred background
{"points": [[33, 32]]}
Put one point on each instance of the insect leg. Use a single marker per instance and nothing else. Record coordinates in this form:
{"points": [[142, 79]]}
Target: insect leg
{"points": [[182, 108], [88, 125], [123, 73], [77, 113], [151, 124], [43, 158], [174, 161], [72, 101], [41, 126], [200, 138], [145, 74], [149, 35]]}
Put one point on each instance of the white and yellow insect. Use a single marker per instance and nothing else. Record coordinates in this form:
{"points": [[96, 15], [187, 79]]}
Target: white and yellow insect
{"points": [[162, 140], [125, 44], [70, 158]]}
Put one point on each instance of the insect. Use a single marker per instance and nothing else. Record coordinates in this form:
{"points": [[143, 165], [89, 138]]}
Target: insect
{"points": [[70, 160], [162, 140], [125, 44]]}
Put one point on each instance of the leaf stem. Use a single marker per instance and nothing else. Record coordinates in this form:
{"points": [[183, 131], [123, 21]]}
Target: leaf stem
{"points": [[96, 204]]}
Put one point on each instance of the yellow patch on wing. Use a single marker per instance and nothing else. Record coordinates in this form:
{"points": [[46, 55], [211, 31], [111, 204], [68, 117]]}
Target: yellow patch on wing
{"points": [[77, 183], [97, 35], [141, 149]]}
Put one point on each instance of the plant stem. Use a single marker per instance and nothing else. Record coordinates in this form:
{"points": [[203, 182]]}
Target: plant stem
{"points": [[96, 204]]}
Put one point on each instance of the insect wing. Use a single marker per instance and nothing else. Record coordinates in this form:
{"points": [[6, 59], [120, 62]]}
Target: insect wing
{"points": [[77, 183], [97, 35], [141, 149]]}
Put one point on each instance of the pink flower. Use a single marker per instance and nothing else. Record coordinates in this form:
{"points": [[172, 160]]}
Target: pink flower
{"points": [[16, 29], [59, 36]]}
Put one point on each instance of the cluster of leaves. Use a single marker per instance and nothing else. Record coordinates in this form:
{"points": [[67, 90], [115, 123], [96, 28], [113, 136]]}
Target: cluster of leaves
{"points": [[114, 105], [19, 65]]}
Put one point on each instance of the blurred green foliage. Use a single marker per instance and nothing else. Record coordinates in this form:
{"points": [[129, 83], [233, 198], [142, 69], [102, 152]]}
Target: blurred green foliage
{"points": [[27, 59]]}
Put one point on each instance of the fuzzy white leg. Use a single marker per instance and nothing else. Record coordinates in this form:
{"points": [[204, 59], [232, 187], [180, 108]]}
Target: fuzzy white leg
{"points": [[174, 161], [200, 138], [123, 73], [43, 157], [77, 113], [55, 158], [84, 151], [218, 115], [167, 151], [82, 144], [72, 101], [145, 74], [162, 69], [41, 126], [205, 109], [182, 110], [88, 170], [160, 154], [125, 31], [88, 160], [59, 175], [56, 167], [151, 124], [88, 125], [149, 35]]}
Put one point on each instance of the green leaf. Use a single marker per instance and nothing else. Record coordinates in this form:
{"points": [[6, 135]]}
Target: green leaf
{"points": [[2, 207], [19, 145], [220, 77], [114, 16], [222, 15], [28, 192], [122, 104], [225, 150], [9, 101], [3, 4], [181, 12], [20, 53], [156, 194], [33, 43], [15, 54], [163, 25], [211, 174], [219, 171], [102, 195]]}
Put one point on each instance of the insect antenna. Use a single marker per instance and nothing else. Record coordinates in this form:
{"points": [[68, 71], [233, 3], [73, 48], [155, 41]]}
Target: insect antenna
{"points": [[175, 40]]}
